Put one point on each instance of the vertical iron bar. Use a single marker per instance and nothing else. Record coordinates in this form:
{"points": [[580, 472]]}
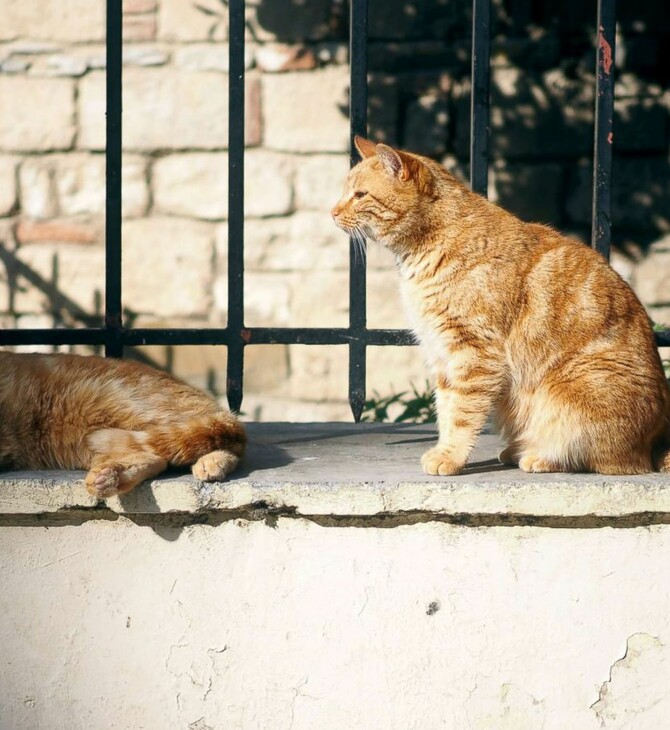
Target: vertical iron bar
{"points": [[114, 90], [358, 121], [479, 100], [604, 129], [235, 367]]}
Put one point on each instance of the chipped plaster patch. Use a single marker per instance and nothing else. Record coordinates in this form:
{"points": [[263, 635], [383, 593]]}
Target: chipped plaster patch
{"points": [[637, 693]]}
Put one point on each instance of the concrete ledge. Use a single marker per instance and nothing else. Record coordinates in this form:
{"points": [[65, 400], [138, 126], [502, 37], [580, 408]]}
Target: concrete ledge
{"points": [[360, 472], [279, 600]]}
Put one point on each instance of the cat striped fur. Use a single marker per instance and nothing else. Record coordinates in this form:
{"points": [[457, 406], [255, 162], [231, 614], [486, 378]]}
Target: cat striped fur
{"points": [[515, 319], [122, 421]]}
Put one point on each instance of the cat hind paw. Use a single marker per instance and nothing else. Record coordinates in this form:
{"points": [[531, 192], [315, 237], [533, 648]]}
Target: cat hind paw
{"points": [[537, 464], [215, 466], [103, 481]]}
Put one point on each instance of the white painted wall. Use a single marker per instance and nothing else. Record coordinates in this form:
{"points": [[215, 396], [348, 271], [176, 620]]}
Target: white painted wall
{"points": [[111, 625]]}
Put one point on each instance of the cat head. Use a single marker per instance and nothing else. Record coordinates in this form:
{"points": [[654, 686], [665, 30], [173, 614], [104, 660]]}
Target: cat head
{"points": [[385, 194]]}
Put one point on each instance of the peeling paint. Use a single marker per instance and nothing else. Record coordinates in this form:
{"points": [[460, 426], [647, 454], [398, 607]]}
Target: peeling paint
{"points": [[636, 690]]}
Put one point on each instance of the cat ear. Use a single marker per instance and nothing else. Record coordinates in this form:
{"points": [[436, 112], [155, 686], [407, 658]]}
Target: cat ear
{"points": [[365, 147], [393, 162]]}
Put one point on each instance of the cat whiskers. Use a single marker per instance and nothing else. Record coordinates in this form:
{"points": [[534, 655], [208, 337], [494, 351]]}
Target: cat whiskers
{"points": [[359, 244]]}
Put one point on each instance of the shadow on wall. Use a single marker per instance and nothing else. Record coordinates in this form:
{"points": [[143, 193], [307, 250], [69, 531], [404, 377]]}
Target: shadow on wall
{"points": [[61, 310], [542, 96]]}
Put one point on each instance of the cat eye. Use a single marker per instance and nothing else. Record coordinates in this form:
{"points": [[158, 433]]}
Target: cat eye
{"points": [[360, 194]]}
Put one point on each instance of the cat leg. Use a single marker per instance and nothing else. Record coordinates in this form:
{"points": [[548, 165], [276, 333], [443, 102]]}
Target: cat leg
{"points": [[510, 454], [120, 461], [215, 466], [504, 419], [463, 401], [112, 474]]}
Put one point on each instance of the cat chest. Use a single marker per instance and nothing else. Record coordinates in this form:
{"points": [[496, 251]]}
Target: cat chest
{"points": [[427, 321]]}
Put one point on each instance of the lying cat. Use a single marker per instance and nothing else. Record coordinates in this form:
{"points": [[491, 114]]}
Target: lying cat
{"points": [[514, 318], [122, 421]]}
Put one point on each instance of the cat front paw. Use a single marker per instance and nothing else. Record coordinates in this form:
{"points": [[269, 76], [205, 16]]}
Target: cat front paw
{"points": [[438, 461]]}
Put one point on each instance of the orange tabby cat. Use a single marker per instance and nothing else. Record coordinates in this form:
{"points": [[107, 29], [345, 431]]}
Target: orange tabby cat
{"points": [[123, 421], [514, 318]]}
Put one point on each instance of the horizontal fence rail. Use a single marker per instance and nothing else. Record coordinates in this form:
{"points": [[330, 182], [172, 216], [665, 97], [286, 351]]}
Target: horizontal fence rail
{"points": [[114, 336]]}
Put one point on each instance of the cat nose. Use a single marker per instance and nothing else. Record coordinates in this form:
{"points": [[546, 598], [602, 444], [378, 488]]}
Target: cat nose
{"points": [[335, 210]]}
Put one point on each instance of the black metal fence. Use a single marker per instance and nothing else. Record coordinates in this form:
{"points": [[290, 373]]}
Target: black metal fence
{"points": [[114, 336]]}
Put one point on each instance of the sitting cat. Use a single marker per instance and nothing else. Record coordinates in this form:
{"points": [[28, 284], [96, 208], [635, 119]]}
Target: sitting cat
{"points": [[122, 421], [514, 318]]}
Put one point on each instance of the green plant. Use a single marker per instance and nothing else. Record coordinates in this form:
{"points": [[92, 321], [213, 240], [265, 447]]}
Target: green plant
{"points": [[406, 407]]}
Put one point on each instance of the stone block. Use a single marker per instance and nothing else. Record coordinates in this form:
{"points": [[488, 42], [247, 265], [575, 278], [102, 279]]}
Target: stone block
{"points": [[145, 55], [641, 124], [320, 300], [392, 370], [414, 56], [8, 187], [167, 266], [279, 57], [203, 366], [640, 193], [306, 112], [319, 372], [36, 184], [70, 231], [163, 109], [67, 20], [652, 275], [80, 184], [15, 65], [74, 184], [268, 183], [532, 192], [271, 408], [380, 258], [23, 129], [67, 278], [267, 298], [319, 180], [253, 111], [266, 367], [207, 57], [427, 125], [192, 184], [290, 22], [140, 27], [305, 241], [130, 7], [8, 233], [68, 65], [186, 21], [402, 19], [530, 112], [384, 303], [383, 108]]}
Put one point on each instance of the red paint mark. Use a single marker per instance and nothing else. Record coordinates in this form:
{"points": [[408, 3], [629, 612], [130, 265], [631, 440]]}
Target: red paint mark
{"points": [[610, 137], [245, 334], [605, 50]]}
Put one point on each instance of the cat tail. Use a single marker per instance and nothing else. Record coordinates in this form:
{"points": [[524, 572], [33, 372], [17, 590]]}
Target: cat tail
{"points": [[184, 442], [179, 443]]}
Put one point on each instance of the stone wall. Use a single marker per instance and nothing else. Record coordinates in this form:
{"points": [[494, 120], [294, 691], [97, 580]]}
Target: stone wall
{"points": [[52, 76]]}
